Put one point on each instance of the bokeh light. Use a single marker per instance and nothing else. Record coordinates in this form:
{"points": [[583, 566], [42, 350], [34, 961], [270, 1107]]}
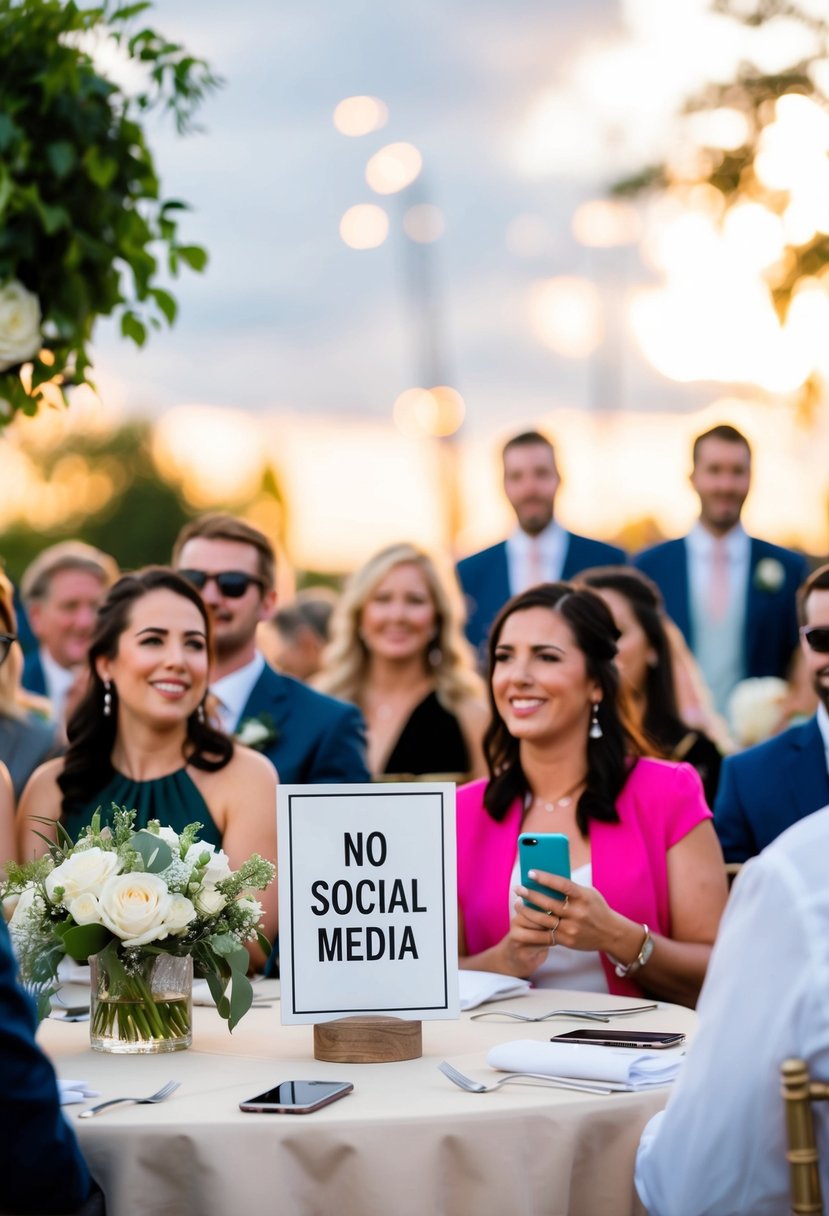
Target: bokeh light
{"points": [[424, 223], [365, 226], [438, 411], [565, 314], [605, 223], [214, 454], [393, 168], [356, 116]]}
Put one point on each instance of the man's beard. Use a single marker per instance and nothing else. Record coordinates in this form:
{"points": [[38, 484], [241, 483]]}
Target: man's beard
{"points": [[820, 683]]}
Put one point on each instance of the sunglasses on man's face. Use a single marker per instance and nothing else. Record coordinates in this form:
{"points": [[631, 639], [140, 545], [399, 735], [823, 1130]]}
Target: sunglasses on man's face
{"points": [[231, 583], [6, 641], [816, 637]]}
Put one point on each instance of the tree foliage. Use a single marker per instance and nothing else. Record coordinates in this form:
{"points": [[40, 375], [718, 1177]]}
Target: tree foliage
{"points": [[753, 93], [83, 225]]}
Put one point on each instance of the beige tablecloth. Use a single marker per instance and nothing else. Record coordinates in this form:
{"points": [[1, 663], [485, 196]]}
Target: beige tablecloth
{"points": [[405, 1143]]}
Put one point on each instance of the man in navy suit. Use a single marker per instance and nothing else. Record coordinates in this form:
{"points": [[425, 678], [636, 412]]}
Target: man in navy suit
{"points": [[538, 551], [61, 590], [733, 596], [309, 737], [41, 1167], [766, 788]]}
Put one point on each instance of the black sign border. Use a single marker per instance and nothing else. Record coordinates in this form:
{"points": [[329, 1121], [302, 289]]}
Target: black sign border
{"points": [[379, 793]]}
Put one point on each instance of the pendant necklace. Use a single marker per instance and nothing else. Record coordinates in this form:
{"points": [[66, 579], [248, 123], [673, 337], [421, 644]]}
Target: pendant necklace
{"points": [[564, 801]]}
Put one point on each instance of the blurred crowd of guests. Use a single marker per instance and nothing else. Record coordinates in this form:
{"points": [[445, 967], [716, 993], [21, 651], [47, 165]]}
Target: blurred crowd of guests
{"points": [[564, 685]]}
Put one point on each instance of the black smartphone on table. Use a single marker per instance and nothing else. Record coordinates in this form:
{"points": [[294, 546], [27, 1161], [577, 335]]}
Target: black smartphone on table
{"points": [[297, 1097], [643, 1039]]}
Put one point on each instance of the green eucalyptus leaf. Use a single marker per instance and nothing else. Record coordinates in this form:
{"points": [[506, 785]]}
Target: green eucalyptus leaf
{"points": [[80, 941], [155, 852]]}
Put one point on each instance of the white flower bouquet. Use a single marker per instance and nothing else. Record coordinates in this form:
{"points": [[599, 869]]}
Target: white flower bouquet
{"points": [[126, 896]]}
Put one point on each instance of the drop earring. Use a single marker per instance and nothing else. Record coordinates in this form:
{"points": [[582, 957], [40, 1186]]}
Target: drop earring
{"points": [[107, 699], [595, 731], [200, 714]]}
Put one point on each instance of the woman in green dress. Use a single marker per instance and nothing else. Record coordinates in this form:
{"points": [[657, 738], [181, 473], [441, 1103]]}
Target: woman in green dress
{"points": [[141, 737]]}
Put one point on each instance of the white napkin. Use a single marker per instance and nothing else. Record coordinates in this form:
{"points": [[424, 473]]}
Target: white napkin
{"points": [[638, 1069], [478, 987], [70, 972], [75, 1091]]}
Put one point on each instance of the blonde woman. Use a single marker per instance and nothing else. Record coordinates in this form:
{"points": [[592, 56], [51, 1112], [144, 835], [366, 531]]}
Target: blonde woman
{"points": [[27, 734], [397, 652]]}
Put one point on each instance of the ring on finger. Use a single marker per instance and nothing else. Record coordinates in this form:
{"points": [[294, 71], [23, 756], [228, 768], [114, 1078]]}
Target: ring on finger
{"points": [[552, 937], [566, 902], [556, 925]]}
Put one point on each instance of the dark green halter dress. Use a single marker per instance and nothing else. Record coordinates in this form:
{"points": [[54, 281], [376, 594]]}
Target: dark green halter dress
{"points": [[173, 800]]}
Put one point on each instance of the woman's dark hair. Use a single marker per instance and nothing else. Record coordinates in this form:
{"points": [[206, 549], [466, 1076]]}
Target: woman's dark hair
{"points": [[608, 758], [661, 721], [91, 733]]}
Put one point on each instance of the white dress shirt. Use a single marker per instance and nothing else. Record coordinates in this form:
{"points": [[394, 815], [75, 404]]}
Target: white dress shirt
{"points": [[551, 546], [823, 727], [233, 691], [58, 682], [719, 645], [718, 1149]]}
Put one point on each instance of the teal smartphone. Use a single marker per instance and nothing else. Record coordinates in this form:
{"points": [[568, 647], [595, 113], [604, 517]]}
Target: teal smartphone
{"points": [[548, 851]]}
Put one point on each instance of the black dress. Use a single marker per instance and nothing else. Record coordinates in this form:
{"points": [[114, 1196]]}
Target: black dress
{"points": [[431, 741]]}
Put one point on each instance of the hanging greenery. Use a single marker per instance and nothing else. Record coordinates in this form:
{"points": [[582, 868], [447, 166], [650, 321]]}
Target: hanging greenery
{"points": [[84, 230]]}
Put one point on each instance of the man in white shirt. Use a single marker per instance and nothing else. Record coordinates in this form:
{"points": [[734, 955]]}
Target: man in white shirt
{"points": [[61, 590], [718, 1149], [539, 550], [309, 737], [732, 595]]}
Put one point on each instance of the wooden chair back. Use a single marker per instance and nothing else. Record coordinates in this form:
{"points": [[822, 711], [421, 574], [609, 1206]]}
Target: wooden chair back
{"points": [[799, 1092]]}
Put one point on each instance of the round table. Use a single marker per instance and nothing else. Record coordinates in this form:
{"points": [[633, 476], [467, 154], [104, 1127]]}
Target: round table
{"points": [[406, 1143]]}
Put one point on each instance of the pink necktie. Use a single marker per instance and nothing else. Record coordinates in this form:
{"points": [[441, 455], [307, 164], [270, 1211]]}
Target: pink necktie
{"points": [[718, 588]]}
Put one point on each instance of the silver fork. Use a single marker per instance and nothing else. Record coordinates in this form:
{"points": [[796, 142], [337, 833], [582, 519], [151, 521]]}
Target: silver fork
{"points": [[163, 1093], [477, 1087], [587, 1015]]}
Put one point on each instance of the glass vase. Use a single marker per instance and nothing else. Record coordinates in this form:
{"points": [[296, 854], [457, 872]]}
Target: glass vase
{"points": [[143, 1004]]}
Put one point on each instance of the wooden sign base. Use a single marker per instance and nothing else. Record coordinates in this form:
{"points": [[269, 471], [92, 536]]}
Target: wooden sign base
{"points": [[368, 1039]]}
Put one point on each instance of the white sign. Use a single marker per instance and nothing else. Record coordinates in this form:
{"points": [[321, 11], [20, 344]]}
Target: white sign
{"points": [[368, 906]]}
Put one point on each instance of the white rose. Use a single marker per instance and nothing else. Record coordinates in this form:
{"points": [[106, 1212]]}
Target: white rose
{"points": [[20, 336], [29, 900], [84, 909], [82, 872], [217, 868], [208, 900], [169, 837], [251, 907], [180, 913], [135, 907]]}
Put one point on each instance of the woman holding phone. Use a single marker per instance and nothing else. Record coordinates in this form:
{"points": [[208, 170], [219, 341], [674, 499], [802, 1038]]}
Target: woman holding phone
{"points": [[641, 910]]}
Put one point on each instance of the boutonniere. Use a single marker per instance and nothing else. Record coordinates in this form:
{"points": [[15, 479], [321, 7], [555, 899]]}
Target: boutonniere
{"points": [[257, 733], [769, 574]]}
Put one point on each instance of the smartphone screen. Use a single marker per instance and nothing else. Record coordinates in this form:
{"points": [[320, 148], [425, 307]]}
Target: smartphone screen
{"points": [[297, 1097], [548, 851], [621, 1038]]}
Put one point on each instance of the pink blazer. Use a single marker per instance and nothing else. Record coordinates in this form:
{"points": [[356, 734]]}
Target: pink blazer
{"points": [[659, 805]]}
